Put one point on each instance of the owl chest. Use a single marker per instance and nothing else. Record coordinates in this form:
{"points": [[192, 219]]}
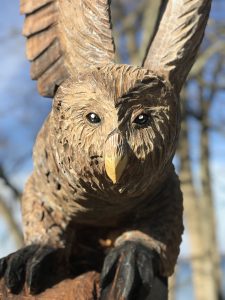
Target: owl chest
{"points": [[97, 208], [107, 207]]}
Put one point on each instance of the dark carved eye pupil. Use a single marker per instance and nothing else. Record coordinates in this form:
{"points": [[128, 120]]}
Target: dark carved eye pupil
{"points": [[141, 119], [93, 118]]}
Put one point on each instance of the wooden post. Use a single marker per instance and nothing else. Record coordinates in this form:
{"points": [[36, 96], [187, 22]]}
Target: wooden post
{"points": [[84, 287]]}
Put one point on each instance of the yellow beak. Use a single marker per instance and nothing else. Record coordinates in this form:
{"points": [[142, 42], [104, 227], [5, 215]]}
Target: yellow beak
{"points": [[115, 166], [116, 157]]}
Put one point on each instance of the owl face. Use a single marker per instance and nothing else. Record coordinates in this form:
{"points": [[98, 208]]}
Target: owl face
{"points": [[116, 125]]}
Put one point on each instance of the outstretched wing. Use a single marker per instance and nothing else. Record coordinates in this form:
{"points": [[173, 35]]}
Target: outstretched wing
{"points": [[64, 37], [177, 39]]}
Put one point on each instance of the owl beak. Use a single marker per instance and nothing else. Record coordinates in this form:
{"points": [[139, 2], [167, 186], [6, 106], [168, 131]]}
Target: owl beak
{"points": [[116, 157], [114, 167]]}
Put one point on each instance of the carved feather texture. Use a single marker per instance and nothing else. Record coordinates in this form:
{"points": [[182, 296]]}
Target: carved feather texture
{"points": [[69, 152], [174, 48], [65, 37], [71, 47]]}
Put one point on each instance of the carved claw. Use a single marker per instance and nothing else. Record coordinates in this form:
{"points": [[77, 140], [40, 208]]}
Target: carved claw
{"points": [[31, 264], [130, 271]]}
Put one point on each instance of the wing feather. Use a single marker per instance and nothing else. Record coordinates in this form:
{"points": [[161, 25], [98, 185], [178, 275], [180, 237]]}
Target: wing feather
{"points": [[40, 42], [47, 15], [65, 37], [52, 78], [177, 40], [27, 7], [46, 60]]}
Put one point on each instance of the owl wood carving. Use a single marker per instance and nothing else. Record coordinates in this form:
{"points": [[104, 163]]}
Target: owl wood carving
{"points": [[104, 195]]}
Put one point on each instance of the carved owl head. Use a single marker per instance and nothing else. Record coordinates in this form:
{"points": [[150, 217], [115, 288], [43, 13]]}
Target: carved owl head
{"points": [[112, 121]]}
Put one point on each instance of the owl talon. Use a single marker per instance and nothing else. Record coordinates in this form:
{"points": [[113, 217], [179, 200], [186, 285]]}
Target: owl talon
{"points": [[3, 266], [41, 267], [130, 272], [31, 264], [13, 268]]}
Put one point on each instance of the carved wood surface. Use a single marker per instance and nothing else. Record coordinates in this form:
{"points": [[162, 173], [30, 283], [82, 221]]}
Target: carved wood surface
{"points": [[71, 183], [177, 40], [64, 37], [85, 287]]}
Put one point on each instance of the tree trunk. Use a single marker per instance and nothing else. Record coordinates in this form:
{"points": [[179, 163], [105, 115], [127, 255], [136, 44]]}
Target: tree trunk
{"points": [[206, 204], [172, 286], [202, 266]]}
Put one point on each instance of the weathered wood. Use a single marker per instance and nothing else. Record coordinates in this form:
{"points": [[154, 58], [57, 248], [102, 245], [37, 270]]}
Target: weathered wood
{"points": [[84, 287], [27, 6], [177, 40], [52, 78], [46, 60], [40, 20], [83, 33], [40, 42], [103, 158]]}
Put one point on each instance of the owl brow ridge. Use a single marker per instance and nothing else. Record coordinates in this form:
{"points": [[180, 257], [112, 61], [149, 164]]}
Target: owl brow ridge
{"points": [[141, 88]]}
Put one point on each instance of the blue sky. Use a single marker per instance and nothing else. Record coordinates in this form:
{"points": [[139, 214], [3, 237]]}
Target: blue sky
{"points": [[21, 109]]}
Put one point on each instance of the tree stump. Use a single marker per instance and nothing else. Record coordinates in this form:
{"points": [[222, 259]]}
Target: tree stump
{"points": [[83, 287]]}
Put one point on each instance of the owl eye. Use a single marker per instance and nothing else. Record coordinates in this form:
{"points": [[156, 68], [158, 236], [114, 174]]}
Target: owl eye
{"points": [[141, 119], [93, 118]]}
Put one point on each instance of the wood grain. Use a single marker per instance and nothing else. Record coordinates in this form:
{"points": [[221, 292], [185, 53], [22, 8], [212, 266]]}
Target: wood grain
{"points": [[177, 40], [75, 33], [85, 287], [69, 201]]}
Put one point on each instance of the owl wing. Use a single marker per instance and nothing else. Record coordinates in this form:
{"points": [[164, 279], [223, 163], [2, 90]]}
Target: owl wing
{"points": [[64, 37], [177, 39]]}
